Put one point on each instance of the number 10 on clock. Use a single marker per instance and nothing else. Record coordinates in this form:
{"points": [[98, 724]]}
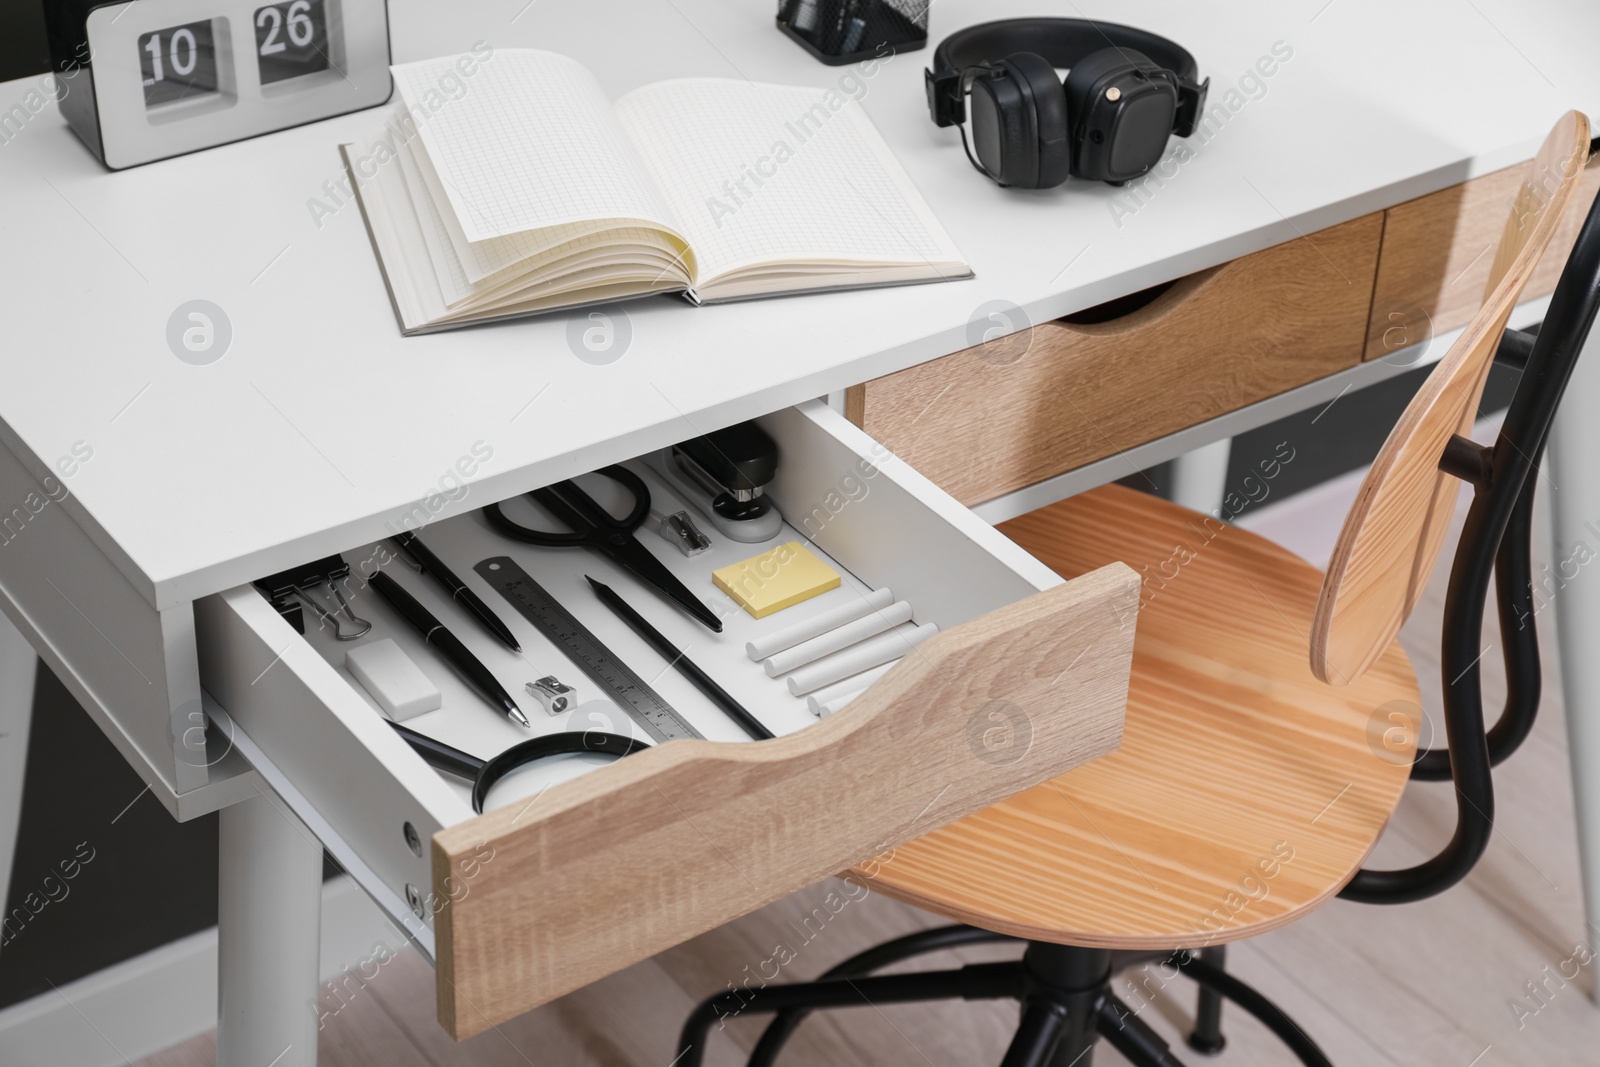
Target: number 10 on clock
{"points": [[178, 63]]}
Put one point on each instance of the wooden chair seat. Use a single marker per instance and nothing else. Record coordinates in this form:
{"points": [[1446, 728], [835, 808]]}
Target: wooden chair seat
{"points": [[1245, 791]]}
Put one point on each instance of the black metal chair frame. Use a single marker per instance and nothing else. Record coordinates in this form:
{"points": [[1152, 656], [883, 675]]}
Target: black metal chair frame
{"points": [[1065, 991]]}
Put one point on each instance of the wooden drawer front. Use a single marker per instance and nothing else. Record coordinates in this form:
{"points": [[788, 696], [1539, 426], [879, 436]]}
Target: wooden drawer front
{"points": [[1213, 342], [1437, 250], [578, 877]]}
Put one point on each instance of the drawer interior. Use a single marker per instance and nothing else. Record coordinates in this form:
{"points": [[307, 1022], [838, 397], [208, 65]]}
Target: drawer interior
{"points": [[846, 521], [874, 520]]}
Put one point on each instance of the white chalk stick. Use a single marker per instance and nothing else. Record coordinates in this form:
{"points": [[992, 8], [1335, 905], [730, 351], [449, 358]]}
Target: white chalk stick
{"points": [[823, 709], [853, 684], [850, 633], [396, 683], [792, 635], [857, 658]]}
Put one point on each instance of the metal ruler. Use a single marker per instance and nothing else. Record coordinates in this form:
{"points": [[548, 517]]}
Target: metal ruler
{"points": [[643, 704]]}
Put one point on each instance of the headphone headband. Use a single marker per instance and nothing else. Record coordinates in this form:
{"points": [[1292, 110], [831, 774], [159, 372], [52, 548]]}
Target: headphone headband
{"points": [[1062, 43]]}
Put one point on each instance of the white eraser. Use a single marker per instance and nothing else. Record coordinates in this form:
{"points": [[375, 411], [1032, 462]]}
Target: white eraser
{"points": [[397, 684]]}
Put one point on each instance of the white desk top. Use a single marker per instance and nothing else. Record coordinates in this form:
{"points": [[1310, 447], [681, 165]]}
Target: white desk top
{"points": [[321, 423]]}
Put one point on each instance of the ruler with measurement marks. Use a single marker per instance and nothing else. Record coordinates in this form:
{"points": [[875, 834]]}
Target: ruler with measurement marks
{"points": [[643, 704]]}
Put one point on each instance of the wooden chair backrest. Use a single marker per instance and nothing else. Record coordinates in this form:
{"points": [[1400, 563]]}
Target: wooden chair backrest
{"points": [[1396, 527]]}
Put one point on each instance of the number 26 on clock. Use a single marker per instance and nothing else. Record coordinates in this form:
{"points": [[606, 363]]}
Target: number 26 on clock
{"points": [[291, 39]]}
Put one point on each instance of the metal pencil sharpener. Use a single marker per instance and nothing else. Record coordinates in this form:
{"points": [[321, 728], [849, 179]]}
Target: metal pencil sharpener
{"points": [[556, 696]]}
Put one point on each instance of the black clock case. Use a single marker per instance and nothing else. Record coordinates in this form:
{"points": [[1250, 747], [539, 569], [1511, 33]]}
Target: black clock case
{"points": [[66, 27]]}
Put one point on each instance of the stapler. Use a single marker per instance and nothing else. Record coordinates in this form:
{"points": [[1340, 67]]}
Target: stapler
{"points": [[724, 475]]}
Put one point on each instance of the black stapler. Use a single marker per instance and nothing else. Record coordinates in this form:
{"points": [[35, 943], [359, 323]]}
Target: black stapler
{"points": [[724, 475]]}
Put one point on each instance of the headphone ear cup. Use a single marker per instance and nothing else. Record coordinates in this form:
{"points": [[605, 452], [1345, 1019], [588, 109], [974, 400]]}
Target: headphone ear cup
{"points": [[1052, 148], [1090, 69], [1001, 126], [1090, 158]]}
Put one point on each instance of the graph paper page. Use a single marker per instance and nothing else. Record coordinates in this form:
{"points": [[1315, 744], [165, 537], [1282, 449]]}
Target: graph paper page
{"points": [[766, 174], [528, 141]]}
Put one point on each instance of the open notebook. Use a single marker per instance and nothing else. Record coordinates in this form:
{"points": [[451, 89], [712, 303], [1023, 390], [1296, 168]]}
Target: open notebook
{"points": [[527, 190]]}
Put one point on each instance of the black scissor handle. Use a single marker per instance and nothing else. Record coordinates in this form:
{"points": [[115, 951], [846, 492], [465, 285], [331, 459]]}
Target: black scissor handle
{"points": [[585, 531], [591, 524]]}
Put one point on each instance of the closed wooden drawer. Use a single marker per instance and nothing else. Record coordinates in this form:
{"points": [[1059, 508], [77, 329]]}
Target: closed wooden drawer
{"points": [[991, 419], [1437, 250], [577, 877]]}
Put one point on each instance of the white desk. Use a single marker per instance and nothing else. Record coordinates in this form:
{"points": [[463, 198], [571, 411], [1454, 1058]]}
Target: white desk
{"points": [[322, 423], [322, 427]]}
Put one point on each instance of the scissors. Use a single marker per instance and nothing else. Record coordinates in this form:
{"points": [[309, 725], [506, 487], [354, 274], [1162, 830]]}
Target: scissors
{"points": [[595, 528]]}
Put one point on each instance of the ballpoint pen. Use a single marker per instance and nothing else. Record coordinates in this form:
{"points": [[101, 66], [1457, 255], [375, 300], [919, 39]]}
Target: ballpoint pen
{"points": [[433, 565], [675, 658], [460, 658]]}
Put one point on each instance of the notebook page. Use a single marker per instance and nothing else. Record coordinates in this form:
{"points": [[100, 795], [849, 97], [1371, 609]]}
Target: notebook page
{"points": [[480, 261], [454, 286], [451, 259], [768, 173], [529, 141], [397, 239]]}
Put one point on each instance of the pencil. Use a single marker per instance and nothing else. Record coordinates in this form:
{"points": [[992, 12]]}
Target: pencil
{"points": [[675, 657]]}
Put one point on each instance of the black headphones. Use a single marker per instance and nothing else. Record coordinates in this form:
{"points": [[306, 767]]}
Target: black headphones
{"points": [[1126, 90]]}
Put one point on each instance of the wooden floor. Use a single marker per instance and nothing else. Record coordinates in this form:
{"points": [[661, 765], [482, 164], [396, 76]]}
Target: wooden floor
{"points": [[1442, 982]]}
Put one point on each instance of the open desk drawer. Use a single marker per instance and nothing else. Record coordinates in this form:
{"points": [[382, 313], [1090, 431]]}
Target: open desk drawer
{"points": [[575, 875]]}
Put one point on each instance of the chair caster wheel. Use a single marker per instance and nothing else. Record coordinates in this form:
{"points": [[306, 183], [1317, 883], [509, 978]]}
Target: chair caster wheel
{"points": [[1207, 1047]]}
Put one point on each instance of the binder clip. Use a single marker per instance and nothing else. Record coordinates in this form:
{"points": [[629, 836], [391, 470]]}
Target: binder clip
{"points": [[291, 590]]}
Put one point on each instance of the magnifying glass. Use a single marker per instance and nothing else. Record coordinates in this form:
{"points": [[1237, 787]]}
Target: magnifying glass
{"points": [[483, 774]]}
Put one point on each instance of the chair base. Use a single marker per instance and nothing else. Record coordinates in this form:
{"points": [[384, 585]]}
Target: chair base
{"points": [[1206, 1037], [1065, 993]]}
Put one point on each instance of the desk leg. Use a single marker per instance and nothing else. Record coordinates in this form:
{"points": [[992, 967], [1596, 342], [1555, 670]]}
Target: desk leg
{"points": [[269, 923], [1200, 478], [1574, 488], [18, 664]]}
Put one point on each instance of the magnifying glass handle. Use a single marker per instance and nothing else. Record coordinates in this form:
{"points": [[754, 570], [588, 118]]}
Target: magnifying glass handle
{"points": [[440, 755]]}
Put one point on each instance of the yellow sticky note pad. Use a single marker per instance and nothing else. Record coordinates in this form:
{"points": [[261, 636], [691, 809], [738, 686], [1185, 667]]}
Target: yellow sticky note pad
{"points": [[776, 579]]}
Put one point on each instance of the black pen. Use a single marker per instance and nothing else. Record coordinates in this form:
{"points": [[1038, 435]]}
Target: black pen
{"points": [[432, 564], [471, 669], [700, 679]]}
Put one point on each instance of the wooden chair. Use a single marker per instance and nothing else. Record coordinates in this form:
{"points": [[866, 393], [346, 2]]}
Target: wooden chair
{"points": [[1253, 780]]}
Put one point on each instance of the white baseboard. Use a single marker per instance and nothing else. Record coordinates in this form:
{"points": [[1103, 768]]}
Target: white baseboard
{"points": [[154, 1001]]}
